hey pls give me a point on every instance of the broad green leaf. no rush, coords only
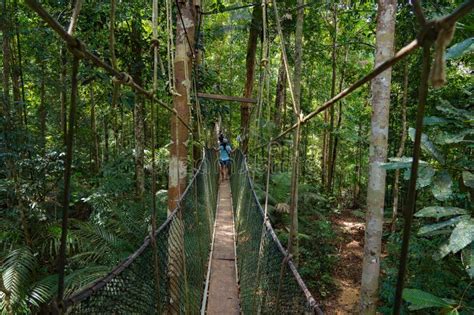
(434, 120)
(442, 186)
(459, 49)
(449, 109)
(399, 163)
(448, 138)
(463, 235)
(443, 252)
(439, 212)
(454, 311)
(419, 299)
(426, 229)
(425, 175)
(427, 145)
(468, 259)
(468, 179)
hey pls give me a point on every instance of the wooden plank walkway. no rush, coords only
(223, 290)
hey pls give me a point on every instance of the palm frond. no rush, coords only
(17, 271)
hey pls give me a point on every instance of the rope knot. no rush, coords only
(443, 38)
(154, 43)
(77, 48)
(441, 35)
(125, 79)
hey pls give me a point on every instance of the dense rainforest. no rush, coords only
(80, 144)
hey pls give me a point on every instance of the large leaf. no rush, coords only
(426, 229)
(427, 145)
(468, 179)
(425, 175)
(419, 299)
(468, 259)
(434, 120)
(439, 212)
(449, 138)
(459, 49)
(399, 163)
(442, 186)
(452, 111)
(462, 235)
(17, 272)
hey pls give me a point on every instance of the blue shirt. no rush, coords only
(225, 152)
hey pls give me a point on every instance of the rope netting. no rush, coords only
(182, 246)
(269, 281)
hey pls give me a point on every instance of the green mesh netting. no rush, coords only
(269, 281)
(181, 256)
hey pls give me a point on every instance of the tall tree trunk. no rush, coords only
(42, 110)
(95, 136)
(293, 241)
(63, 90)
(358, 168)
(338, 127)
(378, 154)
(401, 149)
(280, 96)
(20, 63)
(138, 110)
(4, 24)
(245, 108)
(106, 151)
(330, 137)
(181, 102)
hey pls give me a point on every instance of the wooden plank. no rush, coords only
(227, 98)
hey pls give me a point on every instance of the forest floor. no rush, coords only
(350, 231)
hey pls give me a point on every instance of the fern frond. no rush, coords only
(17, 272)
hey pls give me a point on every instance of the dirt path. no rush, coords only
(223, 291)
(350, 230)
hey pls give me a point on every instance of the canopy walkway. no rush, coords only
(175, 269)
(169, 276)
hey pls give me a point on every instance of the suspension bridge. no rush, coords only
(217, 251)
(215, 254)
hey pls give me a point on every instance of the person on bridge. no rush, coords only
(224, 157)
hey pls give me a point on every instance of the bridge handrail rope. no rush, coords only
(83, 300)
(428, 30)
(240, 181)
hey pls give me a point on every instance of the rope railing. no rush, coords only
(269, 280)
(182, 245)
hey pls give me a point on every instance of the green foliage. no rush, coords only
(459, 49)
(420, 299)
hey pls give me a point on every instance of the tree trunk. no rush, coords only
(138, 110)
(330, 137)
(401, 149)
(293, 241)
(116, 85)
(181, 103)
(378, 154)
(20, 63)
(280, 96)
(63, 90)
(245, 108)
(338, 126)
(42, 111)
(95, 136)
(6, 62)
